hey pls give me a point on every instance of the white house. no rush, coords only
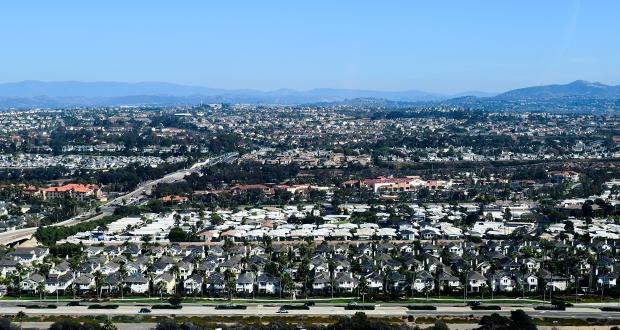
(268, 284)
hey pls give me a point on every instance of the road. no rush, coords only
(120, 326)
(319, 310)
(138, 194)
(134, 197)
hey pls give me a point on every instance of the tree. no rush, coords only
(507, 215)
(362, 287)
(175, 300)
(147, 239)
(359, 321)
(520, 320)
(586, 209)
(72, 324)
(177, 234)
(41, 289)
(176, 271)
(494, 322)
(287, 284)
(5, 324)
(440, 325)
(19, 317)
(109, 325)
(161, 286)
(167, 324)
(216, 219)
(230, 283)
(302, 273)
(123, 275)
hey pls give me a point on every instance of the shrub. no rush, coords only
(166, 307)
(421, 308)
(97, 306)
(550, 308)
(175, 300)
(40, 306)
(295, 307)
(71, 324)
(359, 308)
(485, 308)
(231, 306)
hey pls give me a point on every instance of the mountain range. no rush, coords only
(27, 94)
(578, 88)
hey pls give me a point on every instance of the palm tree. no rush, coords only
(362, 287)
(332, 267)
(303, 272)
(436, 279)
(176, 271)
(411, 276)
(604, 272)
(41, 289)
(483, 289)
(254, 268)
(74, 263)
(427, 291)
(99, 281)
(123, 273)
(231, 282)
(161, 286)
(150, 274)
(20, 274)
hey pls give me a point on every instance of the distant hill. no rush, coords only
(30, 94)
(72, 93)
(33, 88)
(578, 88)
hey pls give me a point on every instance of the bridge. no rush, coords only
(17, 236)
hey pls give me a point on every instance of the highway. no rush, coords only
(138, 195)
(320, 310)
(133, 197)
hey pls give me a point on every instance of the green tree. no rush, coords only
(19, 317)
(108, 325)
(175, 300)
(41, 289)
(230, 283)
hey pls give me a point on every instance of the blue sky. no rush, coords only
(437, 46)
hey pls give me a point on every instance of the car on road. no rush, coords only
(282, 311)
(473, 303)
(309, 303)
(144, 311)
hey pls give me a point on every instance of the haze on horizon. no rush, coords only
(442, 47)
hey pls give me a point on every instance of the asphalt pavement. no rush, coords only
(322, 310)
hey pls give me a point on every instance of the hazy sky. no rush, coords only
(438, 46)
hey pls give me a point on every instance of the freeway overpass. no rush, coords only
(16, 236)
(134, 197)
